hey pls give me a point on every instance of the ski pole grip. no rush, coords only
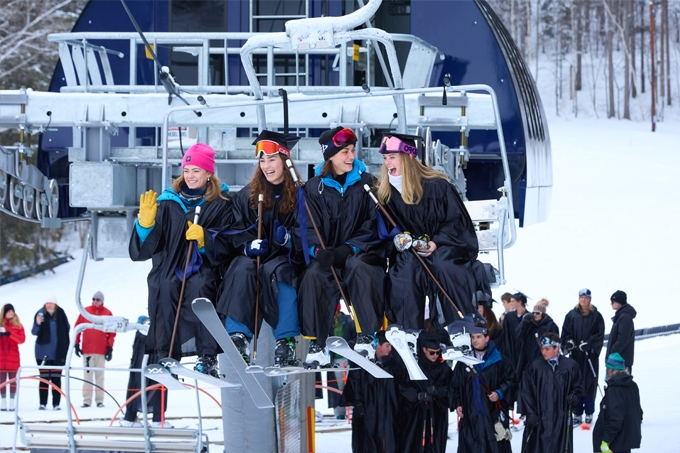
(196, 214)
(291, 169)
(370, 194)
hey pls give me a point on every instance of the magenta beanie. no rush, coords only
(200, 155)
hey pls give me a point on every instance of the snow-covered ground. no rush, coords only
(610, 227)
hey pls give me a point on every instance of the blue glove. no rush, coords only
(258, 247)
(281, 235)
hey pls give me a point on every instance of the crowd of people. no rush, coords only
(398, 248)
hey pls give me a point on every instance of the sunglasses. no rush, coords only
(94, 298)
(396, 145)
(435, 352)
(537, 313)
(341, 139)
(270, 148)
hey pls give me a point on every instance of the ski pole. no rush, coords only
(348, 303)
(566, 443)
(592, 368)
(526, 444)
(181, 291)
(260, 199)
(420, 258)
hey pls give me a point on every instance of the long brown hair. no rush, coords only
(15, 321)
(413, 172)
(212, 192)
(260, 185)
(492, 325)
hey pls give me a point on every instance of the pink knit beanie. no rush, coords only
(200, 155)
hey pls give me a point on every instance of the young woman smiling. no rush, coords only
(278, 274)
(162, 233)
(435, 222)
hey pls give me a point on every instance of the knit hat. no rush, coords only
(615, 362)
(98, 295)
(200, 155)
(381, 337)
(585, 292)
(620, 297)
(270, 142)
(334, 140)
(541, 305)
(520, 297)
(7, 308)
(51, 299)
(399, 143)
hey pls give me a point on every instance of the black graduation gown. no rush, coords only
(544, 392)
(376, 407)
(620, 418)
(527, 332)
(237, 293)
(509, 345)
(476, 430)
(342, 217)
(622, 335)
(432, 416)
(167, 248)
(442, 215)
(589, 328)
(135, 383)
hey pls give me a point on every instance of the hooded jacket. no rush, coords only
(9, 347)
(622, 335)
(620, 418)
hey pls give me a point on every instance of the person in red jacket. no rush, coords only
(96, 348)
(11, 336)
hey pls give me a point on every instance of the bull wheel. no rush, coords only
(4, 189)
(15, 194)
(53, 203)
(29, 201)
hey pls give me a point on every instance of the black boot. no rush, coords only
(284, 354)
(207, 364)
(242, 343)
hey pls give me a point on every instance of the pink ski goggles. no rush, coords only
(392, 144)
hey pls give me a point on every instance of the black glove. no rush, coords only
(79, 353)
(424, 396)
(572, 400)
(6, 334)
(334, 256)
(432, 390)
(584, 346)
(109, 353)
(533, 420)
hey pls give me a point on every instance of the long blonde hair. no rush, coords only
(15, 321)
(212, 192)
(413, 172)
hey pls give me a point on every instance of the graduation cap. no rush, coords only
(399, 143)
(270, 143)
(466, 327)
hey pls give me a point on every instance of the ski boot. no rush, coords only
(589, 419)
(365, 346)
(242, 343)
(317, 357)
(284, 354)
(207, 364)
(577, 420)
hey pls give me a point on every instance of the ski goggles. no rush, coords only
(584, 292)
(270, 148)
(391, 144)
(546, 342)
(341, 139)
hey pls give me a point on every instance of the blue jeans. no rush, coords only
(289, 323)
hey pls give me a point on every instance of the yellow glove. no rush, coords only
(604, 447)
(147, 209)
(195, 233)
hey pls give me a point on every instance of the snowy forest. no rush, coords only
(614, 59)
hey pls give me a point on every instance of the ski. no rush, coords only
(161, 375)
(205, 311)
(397, 339)
(340, 346)
(276, 371)
(175, 367)
(452, 353)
